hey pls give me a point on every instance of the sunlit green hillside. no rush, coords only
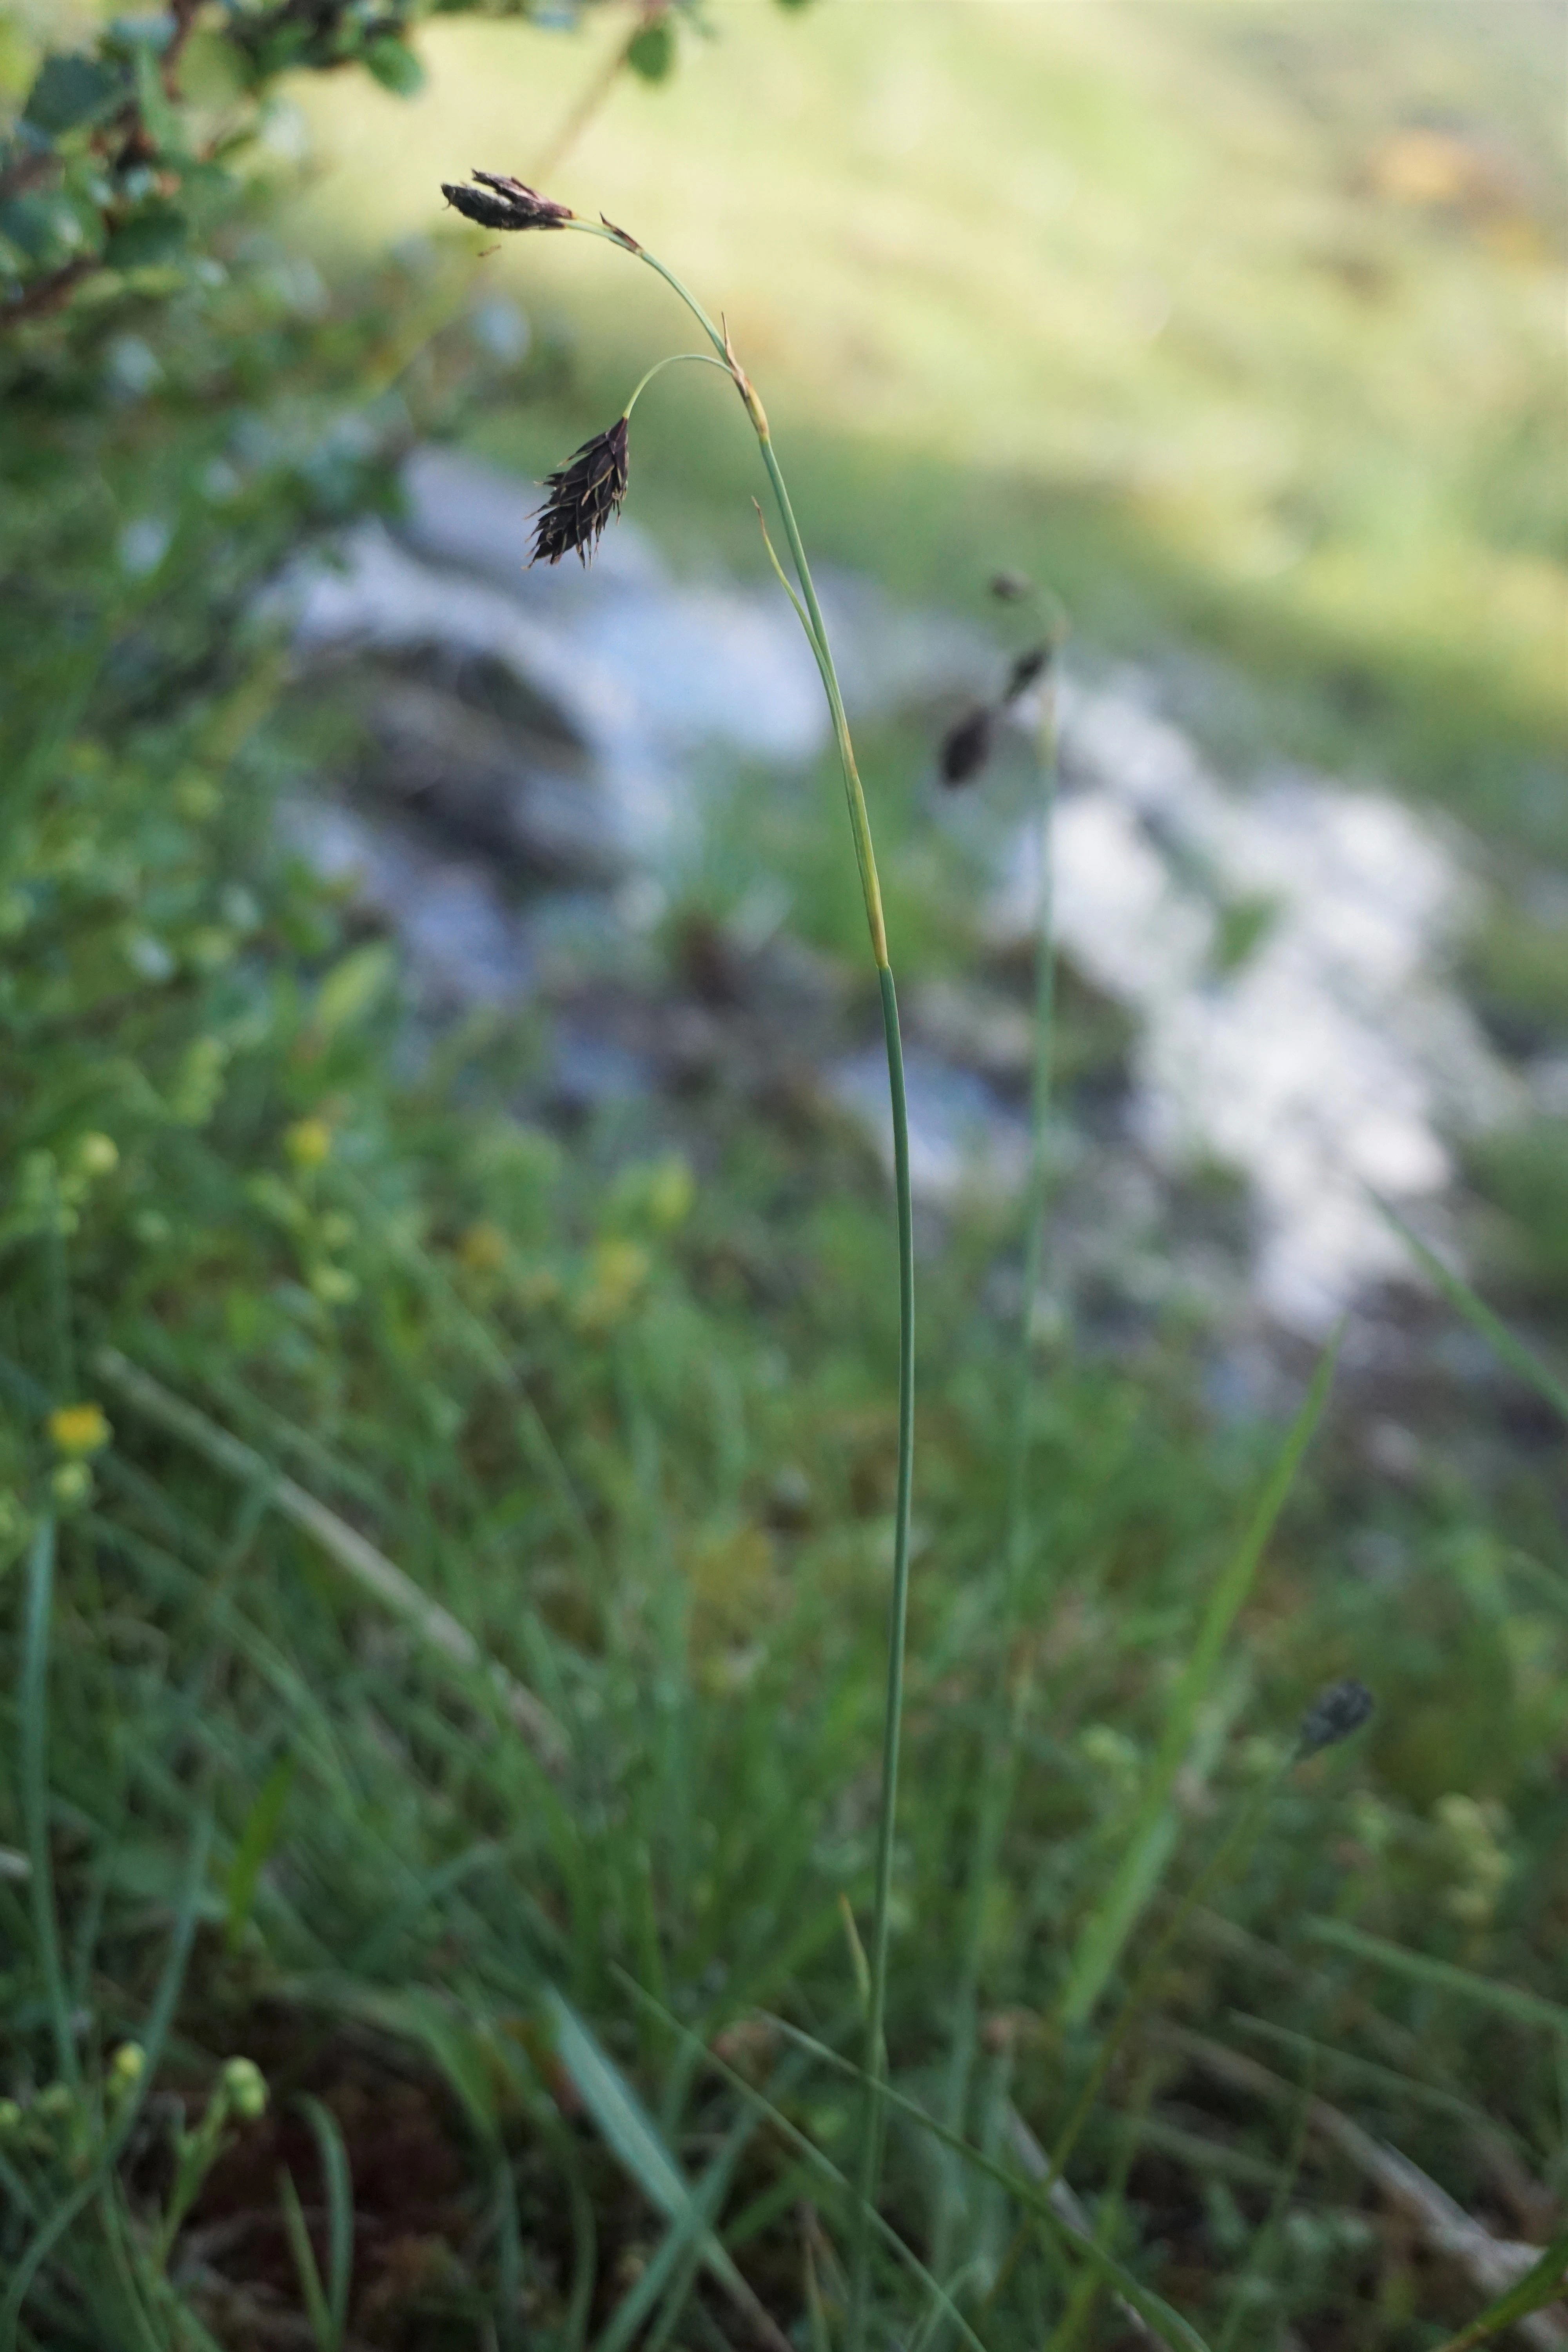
(1243, 318)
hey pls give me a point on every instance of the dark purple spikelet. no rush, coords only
(1025, 669)
(966, 746)
(584, 496)
(1333, 1715)
(500, 202)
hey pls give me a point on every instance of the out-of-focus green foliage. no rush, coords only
(125, 147)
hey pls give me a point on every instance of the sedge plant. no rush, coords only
(585, 495)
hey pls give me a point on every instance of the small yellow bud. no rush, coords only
(128, 2065)
(308, 1142)
(80, 1429)
(247, 2089)
(71, 1484)
(97, 1155)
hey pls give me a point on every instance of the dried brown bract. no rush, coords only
(966, 746)
(500, 202)
(585, 495)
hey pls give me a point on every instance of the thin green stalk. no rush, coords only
(1000, 1754)
(893, 1714)
(815, 628)
(674, 359)
(34, 1787)
(1243, 1828)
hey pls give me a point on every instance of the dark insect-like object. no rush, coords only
(970, 741)
(1026, 670)
(966, 746)
(1333, 1715)
(500, 202)
(585, 495)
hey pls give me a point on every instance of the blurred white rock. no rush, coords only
(1329, 1058)
(646, 671)
(1283, 950)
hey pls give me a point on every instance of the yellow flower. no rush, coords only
(96, 1155)
(308, 1142)
(78, 1429)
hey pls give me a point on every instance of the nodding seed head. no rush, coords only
(1333, 1715)
(1033, 665)
(583, 496)
(966, 746)
(500, 202)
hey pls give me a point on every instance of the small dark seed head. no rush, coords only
(966, 746)
(1026, 670)
(1012, 587)
(499, 202)
(1333, 1715)
(583, 496)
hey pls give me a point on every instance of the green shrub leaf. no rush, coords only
(71, 91)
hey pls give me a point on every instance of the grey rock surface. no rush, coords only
(541, 747)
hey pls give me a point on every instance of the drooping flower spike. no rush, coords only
(967, 746)
(502, 201)
(585, 495)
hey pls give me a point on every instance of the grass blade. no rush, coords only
(34, 1707)
(310, 2288)
(1533, 2291)
(155, 2034)
(1169, 2326)
(681, 2246)
(823, 2166)
(257, 1840)
(1479, 1316)
(1106, 1932)
(630, 2134)
(1507, 2001)
(369, 1567)
(338, 2183)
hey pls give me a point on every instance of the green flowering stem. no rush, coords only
(1002, 1744)
(239, 2096)
(675, 359)
(810, 614)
